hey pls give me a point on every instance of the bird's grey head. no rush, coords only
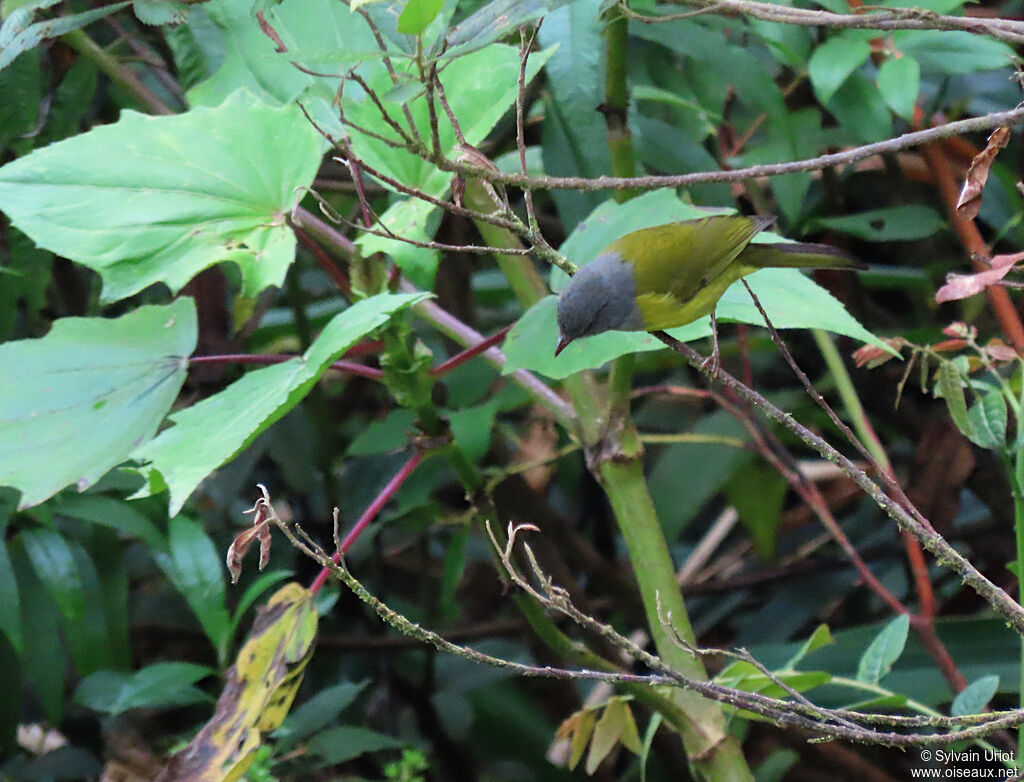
(600, 297)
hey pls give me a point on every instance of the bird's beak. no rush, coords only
(563, 343)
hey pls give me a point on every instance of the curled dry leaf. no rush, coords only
(260, 530)
(969, 203)
(960, 286)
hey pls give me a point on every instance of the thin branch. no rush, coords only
(266, 359)
(525, 47)
(1007, 30)
(846, 157)
(341, 547)
(945, 554)
(461, 358)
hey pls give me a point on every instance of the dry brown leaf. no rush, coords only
(260, 530)
(969, 203)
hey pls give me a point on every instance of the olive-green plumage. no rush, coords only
(671, 275)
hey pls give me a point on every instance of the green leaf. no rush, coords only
(316, 713)
(197, 570)
(20, 32)
(986, 420)
(686, 475)
(410, 218)
(833, 62)
(157, 12)
(573, 134)
(10, 620)
(953, 51)
(314, 30)
(44, 657)
(821, 636)
(55, 566)
(951, 386)
(451, 574)
(159, 199)
(417, 14)
(88, 636)
(859, 108)
(212, 432)
(894, 223)
(22, 88)
(391, 433)
(104, 383)
(791, 299)
(480, 88)
(975, 697)
(114, 514)
(884, 651)
(347, 741)
(156, 686)
(26, 277)
(757, 493)
(252, 593)
(899, 82)
(494, 21)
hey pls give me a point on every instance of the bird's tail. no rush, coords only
(798, 256)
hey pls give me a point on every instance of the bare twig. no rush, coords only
(1007, 30)
(846, 157)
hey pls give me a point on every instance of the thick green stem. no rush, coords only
(615, 456)
(616, 100)
(119, 73)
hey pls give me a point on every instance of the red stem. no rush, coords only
(270, 358)
(461, 358)
(368, 515)
(324, 262)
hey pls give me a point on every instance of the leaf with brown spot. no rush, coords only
(969, 203)
(259, 690)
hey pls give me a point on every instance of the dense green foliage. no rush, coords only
(329, 191)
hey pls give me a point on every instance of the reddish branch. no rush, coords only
(265, 359)
(974, 244)
(368, 515)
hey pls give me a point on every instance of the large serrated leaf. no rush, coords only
(210, 433)
(158, 199)
(101, 385)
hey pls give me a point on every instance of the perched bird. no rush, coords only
(670, 275)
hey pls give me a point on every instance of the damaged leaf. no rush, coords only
(257, 694)
(969, 202)
(260, 529)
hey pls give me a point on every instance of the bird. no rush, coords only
(670, 275)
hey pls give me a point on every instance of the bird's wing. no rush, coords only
(684, 258)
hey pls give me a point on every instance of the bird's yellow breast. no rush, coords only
(666, 311)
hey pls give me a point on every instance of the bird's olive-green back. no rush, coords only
(681, 258)
(682, 268)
